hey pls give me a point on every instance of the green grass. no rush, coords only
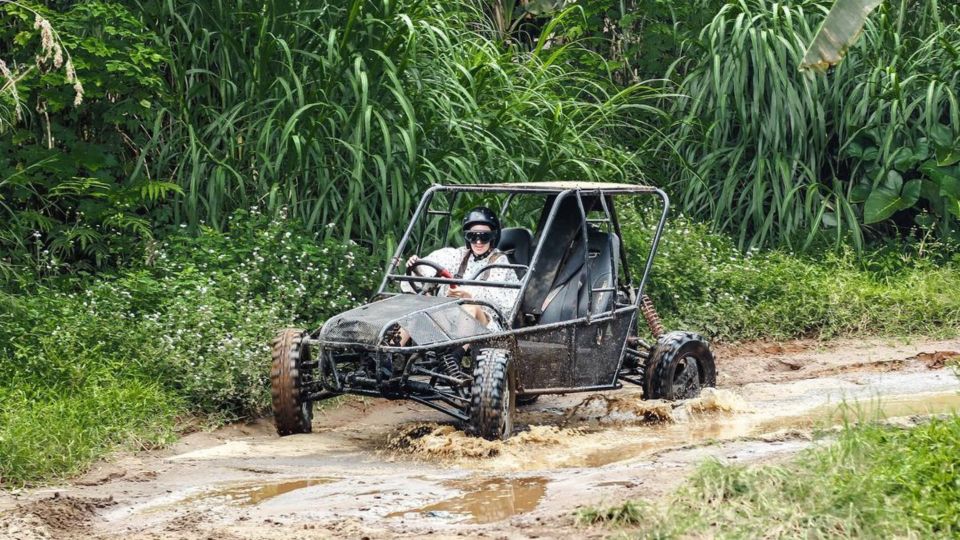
(874, 481)
(630, 513)
(47, 434)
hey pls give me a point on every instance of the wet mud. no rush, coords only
(597, 430)
(382, 469)
(253, 493)
(54, 516)
(485, 501)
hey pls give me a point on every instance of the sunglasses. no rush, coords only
(481, 237)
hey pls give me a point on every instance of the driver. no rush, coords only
(481, 231)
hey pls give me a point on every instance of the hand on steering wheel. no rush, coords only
(425, 288)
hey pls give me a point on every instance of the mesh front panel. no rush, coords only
(444, 323)
(428, 319)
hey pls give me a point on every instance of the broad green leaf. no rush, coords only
(893, 181)
(881, 204)
(947, 179)
(838, 33)
(925, 219)
(859, 193)
(891, 196)
(953, 206)
(929, 168)
(855, 149)
(910, 194)
(941, 135)
(950, 185)
(947, 156)
(904, 159)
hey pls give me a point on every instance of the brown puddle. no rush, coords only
(868, 410)
(491, 500)
(665, 437)
(251, 494)
(697, 430)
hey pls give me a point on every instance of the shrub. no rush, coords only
(71, 193)
(701, 281)
(89, 363)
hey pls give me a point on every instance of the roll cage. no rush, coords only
(556, 194)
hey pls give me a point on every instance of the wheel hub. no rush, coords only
(686, 382)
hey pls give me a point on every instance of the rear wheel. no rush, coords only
(492, 396)
(292, 412)
(680, 366)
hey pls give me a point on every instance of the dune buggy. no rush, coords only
(573, 328)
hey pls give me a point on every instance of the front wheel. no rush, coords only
(492, 396)
(289, 374)
(681, 365)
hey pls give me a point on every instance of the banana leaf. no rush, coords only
(838, 33)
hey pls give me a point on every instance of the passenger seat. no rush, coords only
(568, 297)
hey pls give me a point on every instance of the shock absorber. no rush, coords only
(450, 364)
(650, 314)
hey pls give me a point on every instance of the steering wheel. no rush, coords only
(427, 288)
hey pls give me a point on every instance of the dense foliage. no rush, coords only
(116, 359)
(338, 112)
(71, 183)
(345, 112)
(701, 281)
(776, 156)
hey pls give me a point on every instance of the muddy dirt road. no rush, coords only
(382, 469)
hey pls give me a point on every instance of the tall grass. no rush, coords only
(776, 156)
(344, 112)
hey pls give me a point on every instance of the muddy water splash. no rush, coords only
(430, 440)
(712, 399)
(580, 436)
(601, 429)
(612, 410)
(631, 409)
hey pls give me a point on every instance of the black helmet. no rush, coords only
(485, 216)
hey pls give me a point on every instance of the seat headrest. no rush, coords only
(515, 242)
